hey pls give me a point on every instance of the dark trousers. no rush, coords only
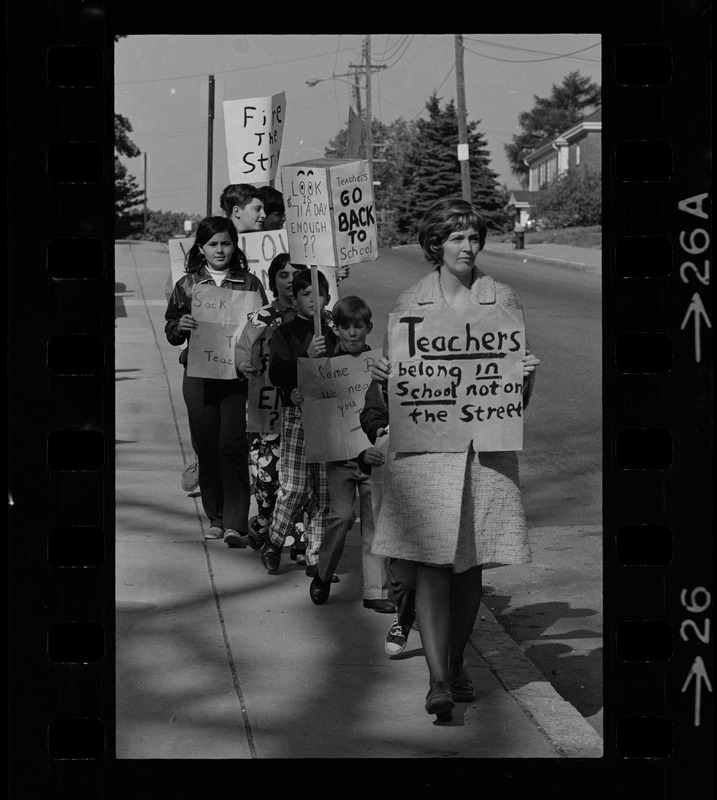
(402, 576)
(217, 420)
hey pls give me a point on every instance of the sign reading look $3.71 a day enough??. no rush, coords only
(330, 214)
(334, 391)
(221, 314)
(456, 378)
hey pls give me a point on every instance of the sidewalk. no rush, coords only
(215, 658)
(560, 255)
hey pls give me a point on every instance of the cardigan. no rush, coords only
(459, 509)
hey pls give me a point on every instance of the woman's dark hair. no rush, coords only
(207, 228)
(277, 264)
(302, 279)
(351, 309)
(238, 194)
(441, 220)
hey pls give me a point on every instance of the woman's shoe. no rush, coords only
(462, 688)
(439, 700)
(214, 533)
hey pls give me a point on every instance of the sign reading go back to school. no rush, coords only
(330, 214)
(334, 390)
(221, 314)
(456, 378)
(253, 131)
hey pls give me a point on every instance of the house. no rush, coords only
(579, 146)
(519, 204)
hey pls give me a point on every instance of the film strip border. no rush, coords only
(658, 545)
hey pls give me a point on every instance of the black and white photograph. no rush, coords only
(358, 396)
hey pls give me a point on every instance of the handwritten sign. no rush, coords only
(178, 249)
(330, 215)
(334, 390)
(221, 314)
(253, 130)
(263, 406)
(259, 247)
(456, 378)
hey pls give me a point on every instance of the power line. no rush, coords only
(521, 49)
(533, 60)
(227, 71)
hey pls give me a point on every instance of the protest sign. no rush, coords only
(259, 247)
(221, 314)
(456, 378)
(330, 216)
(253, 130)
(263, 406)
(178, 249)
(334, 391)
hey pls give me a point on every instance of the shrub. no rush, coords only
(573, 199)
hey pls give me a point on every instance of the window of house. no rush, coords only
(577, 154)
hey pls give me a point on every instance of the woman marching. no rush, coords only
(216, 407)
(448, 514)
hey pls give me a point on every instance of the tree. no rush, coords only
(161, 225)
(415, 163)
(432, 171)
(568, 103)
(573, 199)
(128, 195)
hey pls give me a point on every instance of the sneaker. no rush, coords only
(233, 538)
(397, 638)
(190, 477)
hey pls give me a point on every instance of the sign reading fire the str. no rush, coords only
(253, 131)
(456, 378)
(330, 214)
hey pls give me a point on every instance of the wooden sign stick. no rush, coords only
(315, 298)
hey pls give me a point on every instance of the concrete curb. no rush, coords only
(563, 725)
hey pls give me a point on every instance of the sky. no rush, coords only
(161, 86)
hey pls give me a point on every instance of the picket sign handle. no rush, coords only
(315, 298)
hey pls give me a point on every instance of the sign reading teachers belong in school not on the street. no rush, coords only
(253, 130)
(221, 315)
(456, 378)
(334, 391)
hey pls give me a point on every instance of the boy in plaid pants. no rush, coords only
(299, 481)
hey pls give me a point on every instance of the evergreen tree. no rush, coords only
(432, 170)
(128, 195)
(568, 103)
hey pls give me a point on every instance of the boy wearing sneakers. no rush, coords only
(299, 480)
(402, 574)
(352, 319)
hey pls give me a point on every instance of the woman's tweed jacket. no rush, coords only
(462, 509)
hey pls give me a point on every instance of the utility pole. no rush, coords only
(145, 196)
(369, 133)
(210, 142)
(463, 156)
(357, 91)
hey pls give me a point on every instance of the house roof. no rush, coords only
(520, 196)
(591, 122)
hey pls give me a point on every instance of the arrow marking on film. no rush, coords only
(700, 674)
(698, 310)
